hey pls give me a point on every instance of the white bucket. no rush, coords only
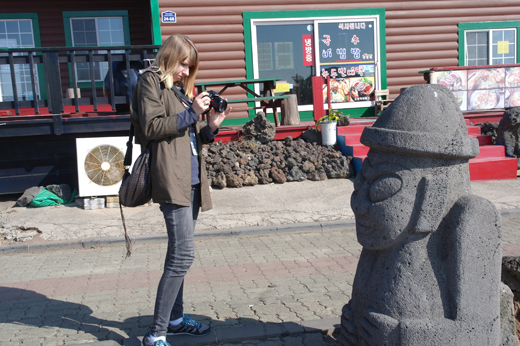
(328, 133)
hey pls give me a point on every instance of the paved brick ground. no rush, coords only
(266, 290)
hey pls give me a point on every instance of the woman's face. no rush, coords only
(183, 70)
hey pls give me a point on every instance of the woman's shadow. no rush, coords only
(29, 308)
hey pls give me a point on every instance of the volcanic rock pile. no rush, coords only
(249, 162)
(489, 129)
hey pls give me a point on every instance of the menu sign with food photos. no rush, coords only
(347, 55)
(482, 88)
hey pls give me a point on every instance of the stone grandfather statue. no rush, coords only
(429, 271)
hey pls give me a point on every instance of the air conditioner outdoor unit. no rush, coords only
(100, 164)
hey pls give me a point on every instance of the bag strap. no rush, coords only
(182, 96)
(129, 145)
(127, 163)
(127, 238)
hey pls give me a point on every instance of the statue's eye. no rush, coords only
(384, 188)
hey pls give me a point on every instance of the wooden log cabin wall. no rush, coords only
(51, 13)
(419, 34)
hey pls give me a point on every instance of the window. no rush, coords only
(283, 52)
(17, 33)
(279, 54)
(89, 32)
(108, 28)
(477, 48)
(289, 45)
(265, 52)
(489, 43)
(492, 47)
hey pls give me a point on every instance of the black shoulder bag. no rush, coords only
(136, 187)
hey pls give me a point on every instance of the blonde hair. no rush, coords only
(176, 49)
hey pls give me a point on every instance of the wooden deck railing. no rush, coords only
(55, 69)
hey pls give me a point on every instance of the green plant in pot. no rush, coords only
(328, 126)
(333, 116)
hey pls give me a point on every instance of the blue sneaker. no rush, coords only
(189, 327)
(148, 342)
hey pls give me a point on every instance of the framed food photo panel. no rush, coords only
(481, 88)
(348, 54)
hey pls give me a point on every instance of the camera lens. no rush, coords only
(217, 103)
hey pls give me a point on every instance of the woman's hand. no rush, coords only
(201, 103)
(215, 118)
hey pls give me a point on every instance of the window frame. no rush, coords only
(68, 15)
(486, 26)
(316, 16)
(33, 16)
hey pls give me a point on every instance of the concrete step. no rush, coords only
(493, 168)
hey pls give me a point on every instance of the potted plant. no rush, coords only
(328, 125)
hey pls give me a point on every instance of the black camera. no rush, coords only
(218, 103)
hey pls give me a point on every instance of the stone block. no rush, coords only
(90, 203)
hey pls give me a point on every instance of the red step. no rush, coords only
(498, 168)
(362, 121)
(227, 135)
(474, 130)
(351, 129)
(483, 139)
(491, 151)
(490, 164)
(355, 150)
(352, 139)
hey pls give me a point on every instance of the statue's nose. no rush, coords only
(360, 201)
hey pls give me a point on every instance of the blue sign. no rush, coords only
(168, 17)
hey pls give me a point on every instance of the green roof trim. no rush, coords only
(156, 23)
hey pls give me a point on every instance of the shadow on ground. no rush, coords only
(21, 307)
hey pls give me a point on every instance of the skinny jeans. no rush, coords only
(180, 225)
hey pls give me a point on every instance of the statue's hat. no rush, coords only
(425, 120)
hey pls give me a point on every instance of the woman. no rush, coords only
(166, 118)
